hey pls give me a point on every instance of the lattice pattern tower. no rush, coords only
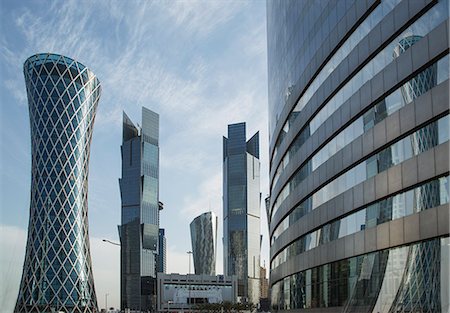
(57, 273)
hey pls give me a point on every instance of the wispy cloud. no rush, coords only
(12, 245)
(200, 64)
(200, 18)
(211, 189)
(105, 259)
(106, 269)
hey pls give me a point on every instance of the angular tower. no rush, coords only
(241, 211)
(204, 243)
(139, 230)
(57, 273)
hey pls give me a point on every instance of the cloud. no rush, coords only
(17, 88)
(200, 64)
(177, 261)
(201, 18)
(105, 264)
(211, 199)
(106, 268)
(12, 247)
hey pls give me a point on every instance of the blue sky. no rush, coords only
(200, 64)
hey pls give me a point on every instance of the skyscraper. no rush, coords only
(204, 243)
(241, 210)
(139, 230)
(57, 273)
(359, 128)
(162, 251)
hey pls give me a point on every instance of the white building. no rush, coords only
(178, 292)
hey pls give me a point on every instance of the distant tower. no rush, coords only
(204, 243)
(162, 251)
(161, 262)
(139, 231)
(57, 273)
(241, 211)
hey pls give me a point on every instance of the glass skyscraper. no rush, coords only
(57, 273)
(204, 243)
(359, 171)
(241, 211)
(162, 251)
(139, 230)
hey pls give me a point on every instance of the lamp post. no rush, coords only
(106, 302)
(189, 280)
(107, 294)
(111, 242)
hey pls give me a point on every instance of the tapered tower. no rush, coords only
(57, 273)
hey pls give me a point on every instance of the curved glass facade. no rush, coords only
(382, 109)
(57, 274)
(359, 131)
(204, 243)
(403, 204)
(382, 281)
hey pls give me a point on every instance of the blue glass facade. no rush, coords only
(139, 230)
(241, 210)
(162, 251)
(358, 155)
(204, 243)
(57, 274)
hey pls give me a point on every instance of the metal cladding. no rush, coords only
(359, 173)
(57, 273)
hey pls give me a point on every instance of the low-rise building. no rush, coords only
(177, 292)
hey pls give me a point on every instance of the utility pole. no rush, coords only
(106, 301)
(189, 280)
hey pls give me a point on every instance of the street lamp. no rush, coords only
(106, 302)
(111, 242)
(189, 281)
(107, 294)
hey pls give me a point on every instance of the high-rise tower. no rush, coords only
(57, 273)
(359, 128)
(139, 231)
(204, 243)
(241, 211)
(162, 262)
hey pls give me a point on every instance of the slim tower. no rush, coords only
(57, 274)
(139, 231)
(204, 243)
(241, 211)
(162, 251)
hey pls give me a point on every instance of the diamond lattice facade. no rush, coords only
(204, 243)
(359, 173)
(57, 274)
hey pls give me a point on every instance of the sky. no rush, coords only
(200, 64)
